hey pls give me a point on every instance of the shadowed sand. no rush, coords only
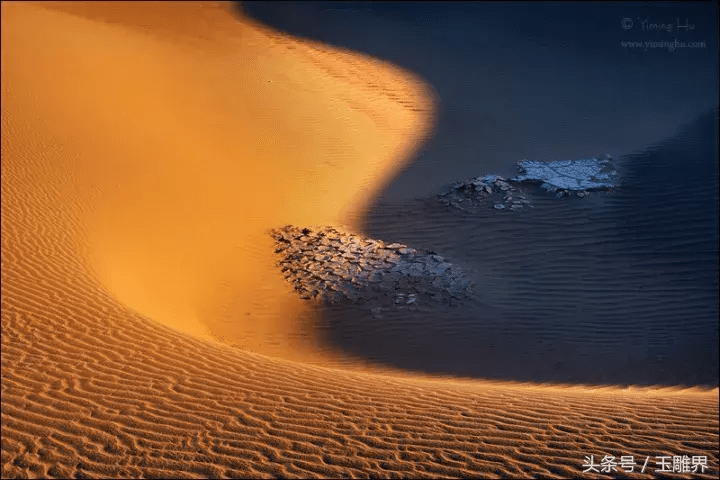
(144, 158)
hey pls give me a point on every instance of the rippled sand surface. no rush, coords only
(147, 149)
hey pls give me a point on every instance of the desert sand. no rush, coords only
(147, 149)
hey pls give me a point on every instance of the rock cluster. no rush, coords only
(563, 177)
(480, 190)
(330, 266)
(568, 176)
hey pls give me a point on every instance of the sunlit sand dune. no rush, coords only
(146, 151)
(184, 154)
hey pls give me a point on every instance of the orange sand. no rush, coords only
(146, 151)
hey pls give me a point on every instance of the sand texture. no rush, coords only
(147, 151)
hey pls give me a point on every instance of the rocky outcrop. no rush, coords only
(564, 177)
(490, 189)
(567, 176)
(330, 266)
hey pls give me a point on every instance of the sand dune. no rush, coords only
(144, 158)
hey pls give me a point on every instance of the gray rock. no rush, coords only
(570, 175)
(412, 269)
(559, 177)
(481, 190)
(352, 268)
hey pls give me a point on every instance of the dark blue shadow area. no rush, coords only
(615, 288)
(671, 206)
(516, 80)
(619, 287)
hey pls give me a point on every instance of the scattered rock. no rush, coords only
(563, 178)
(357, 269)
(596, 173)
(480, 190)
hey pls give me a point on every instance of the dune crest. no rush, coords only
(185, 156)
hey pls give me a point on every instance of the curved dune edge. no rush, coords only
(92, 387)
(187, 141)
